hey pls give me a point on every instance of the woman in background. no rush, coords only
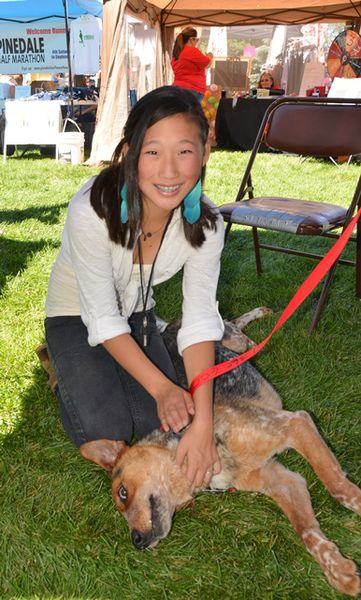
(266, 81)
(189, 63)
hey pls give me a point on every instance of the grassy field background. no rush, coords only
(60, 536)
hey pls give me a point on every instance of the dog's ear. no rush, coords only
(103, 452)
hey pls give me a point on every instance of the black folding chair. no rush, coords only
(318, 127)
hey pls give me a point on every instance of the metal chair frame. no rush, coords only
(312, 138)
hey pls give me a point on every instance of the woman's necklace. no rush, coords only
(150, 234)
(145, 292)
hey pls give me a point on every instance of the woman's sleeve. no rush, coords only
(201, 320)
(200, 59)
(90, 250)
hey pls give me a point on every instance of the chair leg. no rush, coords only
(322, 299)
(257, 250)
(328, 281)
(228, 229)
(358, 261)
(333, 160)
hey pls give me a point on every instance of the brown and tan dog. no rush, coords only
(250, 429)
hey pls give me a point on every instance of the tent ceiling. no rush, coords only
(178, 13)
(26, 10)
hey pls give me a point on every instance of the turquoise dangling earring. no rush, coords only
(123, 205)
(192, 204)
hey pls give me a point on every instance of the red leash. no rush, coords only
(303, 291)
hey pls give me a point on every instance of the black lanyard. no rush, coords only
(145, 294)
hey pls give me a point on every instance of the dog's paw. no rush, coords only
(264, 311)
(234, 338)
(346, 577)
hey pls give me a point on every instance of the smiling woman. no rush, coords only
(170, 163)
(143, 219)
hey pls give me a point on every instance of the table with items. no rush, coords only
(39, 123)
(39, 118)
(238, 121)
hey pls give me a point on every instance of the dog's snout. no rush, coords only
(140, 539)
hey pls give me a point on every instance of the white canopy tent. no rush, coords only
(177, 13)
(164, 16)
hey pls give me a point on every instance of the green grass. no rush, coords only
(60, 536)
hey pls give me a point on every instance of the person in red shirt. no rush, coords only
(189, 63)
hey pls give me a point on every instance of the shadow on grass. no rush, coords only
(31, 152)
(50, 534)
(48, 214)
(14, 256)
(282, 273)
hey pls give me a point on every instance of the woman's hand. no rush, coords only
(174, 404)
(197, 454)
(174, 407)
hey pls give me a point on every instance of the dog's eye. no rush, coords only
(123, 494)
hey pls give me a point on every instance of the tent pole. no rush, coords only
(67, 35)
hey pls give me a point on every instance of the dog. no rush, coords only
(250, 429)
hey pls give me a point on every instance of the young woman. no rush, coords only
(266, 81)
(140, 221)
(189, 63)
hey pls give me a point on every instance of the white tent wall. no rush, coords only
(162, 70)
(114, 103)
(144, 56)
(144, 11)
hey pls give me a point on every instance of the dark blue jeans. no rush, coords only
(97, 397)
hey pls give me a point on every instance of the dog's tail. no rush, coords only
(43, 355)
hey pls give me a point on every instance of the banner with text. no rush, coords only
(38, 47)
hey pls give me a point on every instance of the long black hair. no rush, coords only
(182, 39)
(105, 192)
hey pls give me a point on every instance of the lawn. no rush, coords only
(60, 536)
